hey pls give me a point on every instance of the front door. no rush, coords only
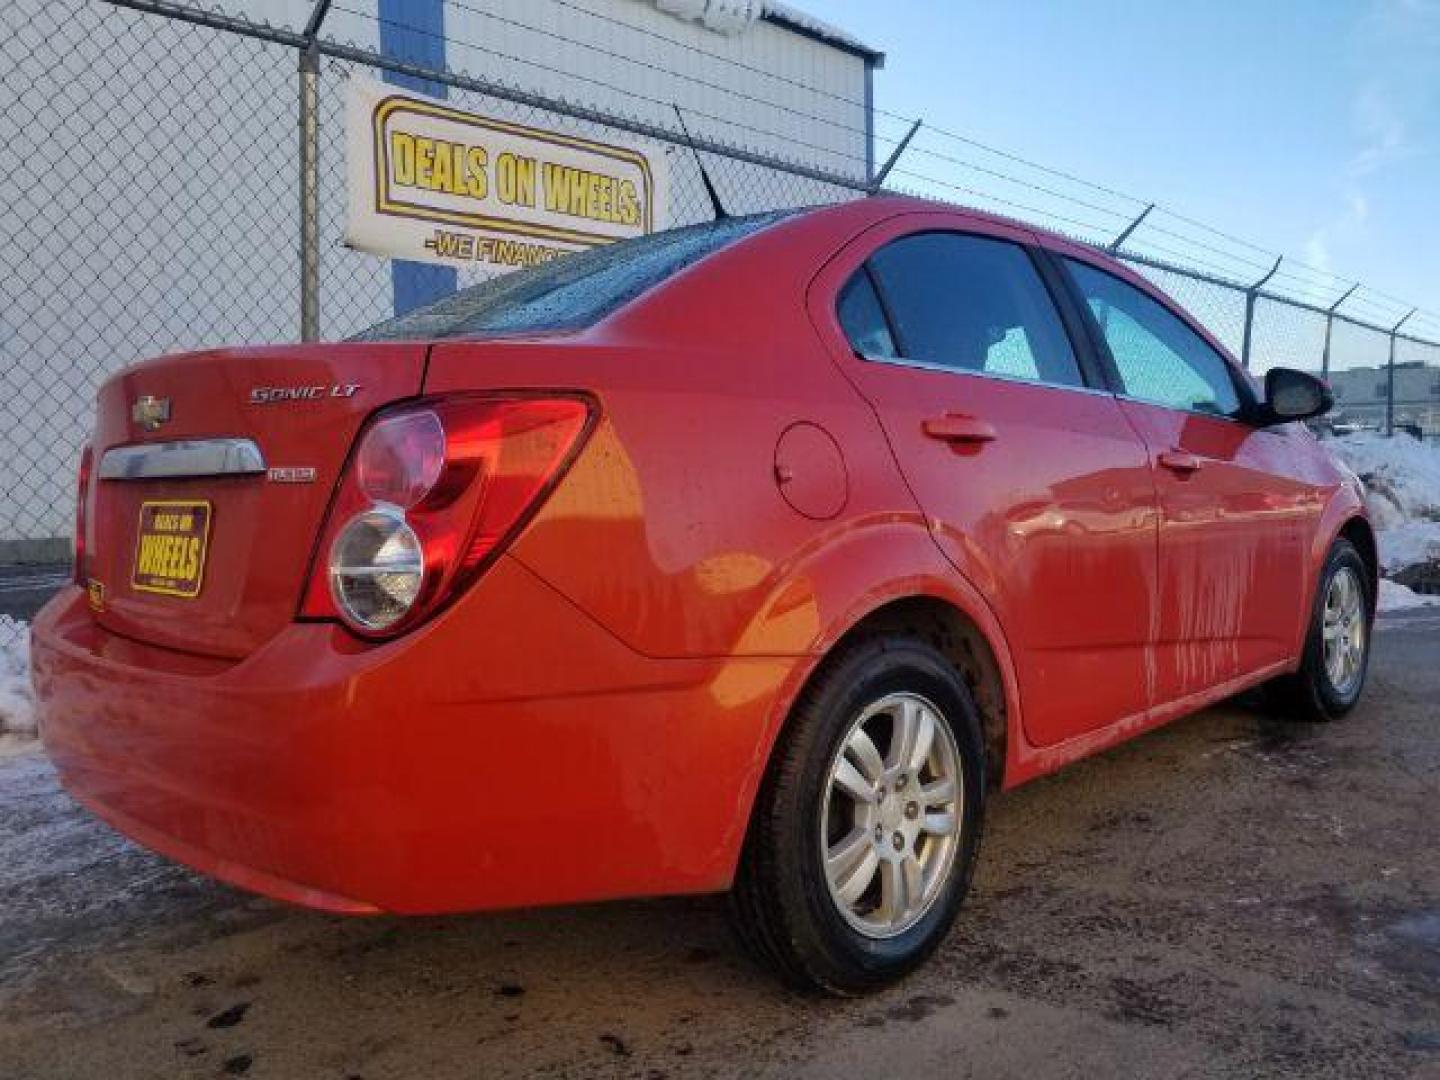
(1035, 485)
(1232, 521)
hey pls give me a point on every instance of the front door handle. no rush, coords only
(957, 428)
(1180, 461)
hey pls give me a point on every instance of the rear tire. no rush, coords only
(843, 892)
(1337, 647)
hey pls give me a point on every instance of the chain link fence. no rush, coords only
(165, 214)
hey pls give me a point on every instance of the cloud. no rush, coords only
(1383, 134)
(1317, 251)
(1397, 43)
(1383, 139)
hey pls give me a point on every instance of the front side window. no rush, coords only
(969, 303)
(1159, 358)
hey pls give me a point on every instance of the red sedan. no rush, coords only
(748, 556)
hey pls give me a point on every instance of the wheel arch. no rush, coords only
(889, 575)
(956, 634)
(1343, 517)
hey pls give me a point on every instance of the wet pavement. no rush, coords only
(1231, 896)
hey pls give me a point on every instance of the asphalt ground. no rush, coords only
(1231, 896)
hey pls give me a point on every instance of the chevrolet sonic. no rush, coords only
(749, 557)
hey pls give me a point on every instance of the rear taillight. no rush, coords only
(433, 492)
(82, 494)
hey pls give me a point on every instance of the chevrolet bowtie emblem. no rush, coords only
(150, 412)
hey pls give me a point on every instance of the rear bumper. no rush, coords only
(481, 762)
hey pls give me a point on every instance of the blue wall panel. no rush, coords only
(414, 30)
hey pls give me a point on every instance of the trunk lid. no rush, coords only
(213, 560)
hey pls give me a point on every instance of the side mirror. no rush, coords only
(1293, 395)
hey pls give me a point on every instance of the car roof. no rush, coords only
(875, 208)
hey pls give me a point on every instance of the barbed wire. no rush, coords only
(751, 129)
(708, 55)
(976, 193)
(1305, 279)
(922, 151)
(656, 69)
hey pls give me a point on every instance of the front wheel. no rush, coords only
(1337, 647)
(865, 830)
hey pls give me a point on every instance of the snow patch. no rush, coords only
(819, 27)
(722, 16)
(731, 17)
(17, 699)
(1396, 597)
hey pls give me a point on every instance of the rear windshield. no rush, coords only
(570, 292)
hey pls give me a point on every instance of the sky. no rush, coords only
(1311, 129)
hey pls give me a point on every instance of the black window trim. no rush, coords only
(886, 311)
(1082, 346)
(1101, 348)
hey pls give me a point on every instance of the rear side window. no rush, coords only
(864, 319)
(975, 304)
(1159, 358)
(571, 292)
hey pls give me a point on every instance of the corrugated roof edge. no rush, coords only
(792, 18)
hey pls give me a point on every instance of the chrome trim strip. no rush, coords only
(923, 365)
(997, 376)
(182, 458)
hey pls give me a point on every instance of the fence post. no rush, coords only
(309, 70)
(1390, 375)
(878, 180)
(1250, 294)
(1329, 326)
(1119, 241)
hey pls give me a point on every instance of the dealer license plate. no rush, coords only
(170, 551)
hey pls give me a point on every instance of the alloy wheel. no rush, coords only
(890, 815)
(1344, 632)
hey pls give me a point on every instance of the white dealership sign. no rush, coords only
(432, 183)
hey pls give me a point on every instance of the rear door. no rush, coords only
(1232, 517)
(1035, 485)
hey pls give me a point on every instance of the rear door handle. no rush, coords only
(957, 428)
(1180, 461)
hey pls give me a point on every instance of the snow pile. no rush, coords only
(1401, 475)
(1396, 597)
(17, 700)
(1402, 492)
(1411, 544)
